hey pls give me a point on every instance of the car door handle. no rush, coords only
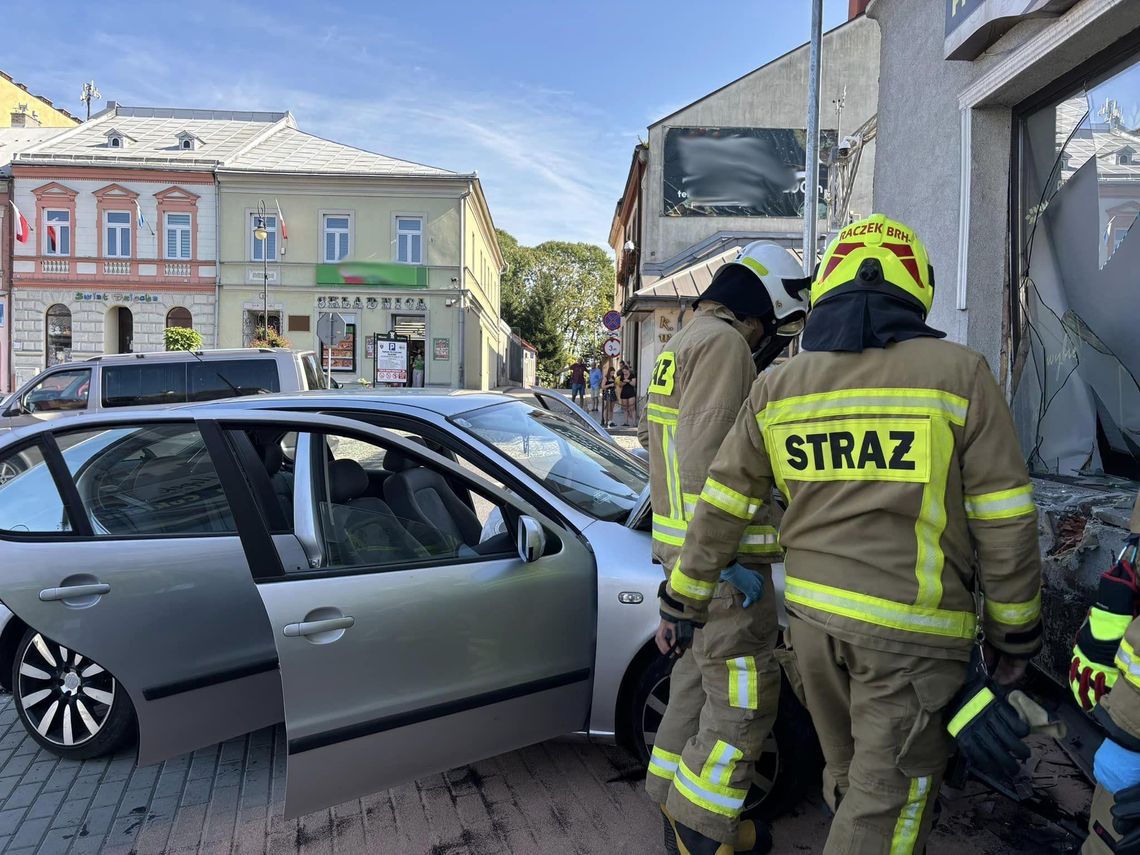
(313, 627)
(73, 592)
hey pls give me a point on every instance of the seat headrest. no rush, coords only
(396, 461)
(347, 481)
(273, 457)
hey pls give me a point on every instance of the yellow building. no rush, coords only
(15, 98)
(390, 246)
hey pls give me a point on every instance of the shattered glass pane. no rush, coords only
(1114, 113)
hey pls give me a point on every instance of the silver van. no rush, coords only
(104, 383)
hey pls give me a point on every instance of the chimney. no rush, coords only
(855, 8)
(21, 118)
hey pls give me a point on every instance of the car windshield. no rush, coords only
(574, 464)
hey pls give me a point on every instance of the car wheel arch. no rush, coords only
(10, 638)
(625, 732)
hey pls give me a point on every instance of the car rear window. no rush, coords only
(314, 379)
(232, 378)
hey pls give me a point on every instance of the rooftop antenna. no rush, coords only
(90, 93)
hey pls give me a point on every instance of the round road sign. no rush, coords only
(613, 347)
(611, 320)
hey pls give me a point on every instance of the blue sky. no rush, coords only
(545, 100)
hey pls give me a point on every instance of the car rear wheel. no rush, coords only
(789, 761)
(67, 702)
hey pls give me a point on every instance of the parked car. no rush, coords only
(411, 581)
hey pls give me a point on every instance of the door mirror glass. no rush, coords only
(58, 392)
(532, 539)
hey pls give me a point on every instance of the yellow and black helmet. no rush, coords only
(873, 254)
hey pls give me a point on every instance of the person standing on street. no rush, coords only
(907, 495)
(595, 387)
(609, 397)
(1105, 679)
(578, 383)
(627, 391)
(724, 691)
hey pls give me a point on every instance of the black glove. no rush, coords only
(1126, 820)
(671, 611)
(988, 730)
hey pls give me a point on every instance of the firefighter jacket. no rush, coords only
(1119, 711)
(698, 385)
(903, 474)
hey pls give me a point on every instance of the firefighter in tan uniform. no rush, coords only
(1105, 678)
(723, 692)
(906, 493)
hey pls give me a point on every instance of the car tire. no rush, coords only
(789, 764)
(68, 703)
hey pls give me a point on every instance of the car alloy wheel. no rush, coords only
(767, 766)
(8, 471)
(66, 697)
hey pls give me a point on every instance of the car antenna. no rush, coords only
(218, 374)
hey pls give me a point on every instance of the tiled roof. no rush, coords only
(153, 137)
(290, 150)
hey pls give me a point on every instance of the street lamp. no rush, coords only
(262, 234)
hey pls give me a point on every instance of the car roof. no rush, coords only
(184, 355)
(444, 402)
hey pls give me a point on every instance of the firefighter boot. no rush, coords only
(682, 840)
(753, 838)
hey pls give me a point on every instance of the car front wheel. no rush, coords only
(68, 703)
(789, 761)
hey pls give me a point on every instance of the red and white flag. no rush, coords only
(281, 223)
(19, 224)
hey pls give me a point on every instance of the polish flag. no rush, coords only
(51, 238)
(281, 221)
(19, 224)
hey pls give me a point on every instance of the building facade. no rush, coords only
(388, 246)
(729, 169)
(123, 216)
(17, 102)
(1028, 207)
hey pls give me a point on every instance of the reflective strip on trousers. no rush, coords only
(687, 586)
(878, 611)
(1021, 613)
(663, 763)
(1001, 505)
(909, 822)
(668, 530)
(705, 794)
(729, 500)
(931, 522)
(722, 760)
(918, 402)
(1128, 664)
(742, 687)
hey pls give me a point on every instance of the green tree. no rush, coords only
(556, 294)
(182, 338)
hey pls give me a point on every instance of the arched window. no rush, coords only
(58, 335)
(180, 317)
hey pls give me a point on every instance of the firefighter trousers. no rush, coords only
(880, 725)
(1102, 836)
(723, 695)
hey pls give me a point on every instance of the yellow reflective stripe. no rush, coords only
(672, 471)
(687, 586)
(875, 610)
(760, 540)
(669, 530)
(919, 402)
(722, 761)
(690, 501)
(1018, 613)
(663, 763)
(753, 265)
(1002, 505)
(742, 688)
(931, 522)
(1105, 626)
(663, 411)
(726, 801)
(729, 500)
(970, 711)
(910, 817)
(1128, 664)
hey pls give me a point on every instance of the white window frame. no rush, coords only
(167, 228)
(59, 226)
(120, 228)
(270, 241)
(351, 237)
(398, 233)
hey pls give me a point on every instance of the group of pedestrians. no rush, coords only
(606, 390)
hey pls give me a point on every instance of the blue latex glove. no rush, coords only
(748, 582)
(1115, 767)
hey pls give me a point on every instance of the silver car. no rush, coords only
(411, 582)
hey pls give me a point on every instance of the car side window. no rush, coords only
(383, 507)
(29, 500)
(58, 392)
(153, 480)
(144, 384)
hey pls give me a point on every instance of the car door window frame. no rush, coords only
(72, 504)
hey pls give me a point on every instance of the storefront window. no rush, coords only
(1075, 368)
(58, 335)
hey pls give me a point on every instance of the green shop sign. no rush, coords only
(373, 273)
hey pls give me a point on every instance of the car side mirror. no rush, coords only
(531, 539)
